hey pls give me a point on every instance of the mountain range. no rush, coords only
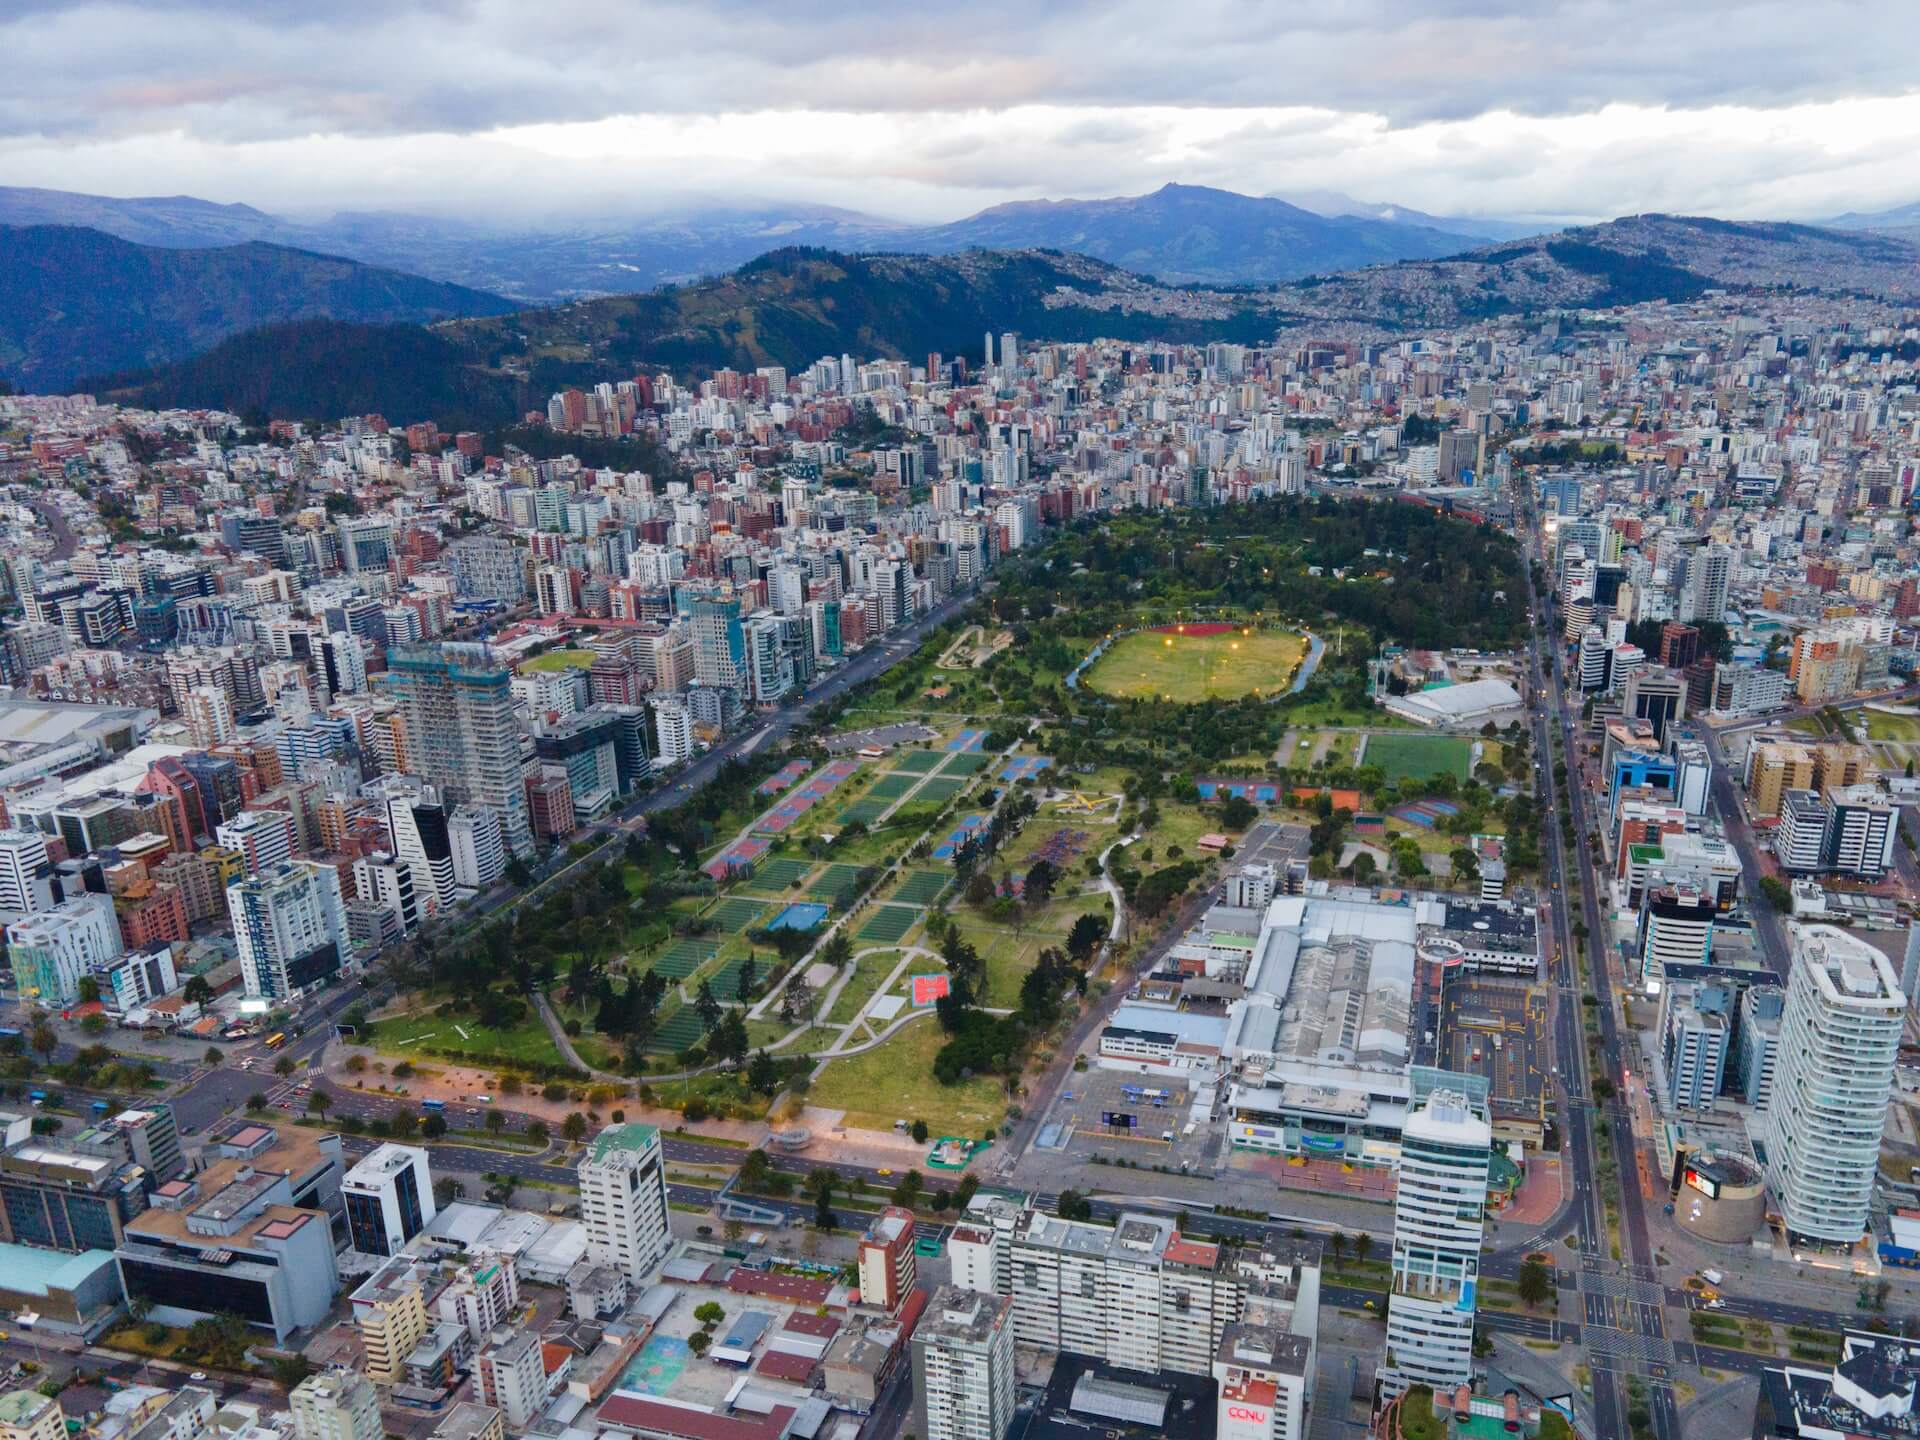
(1179, 233)
(75, 301)
(794, 305)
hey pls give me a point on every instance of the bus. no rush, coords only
(100, 1107)
(433, 1104)
(276, 1040)
(38, 1097)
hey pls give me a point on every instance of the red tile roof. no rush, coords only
(778, 1365)
(798, 1289)
(822, 1326)
(633, 1412)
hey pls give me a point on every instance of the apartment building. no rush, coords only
(963, 1376)
(623, 1200)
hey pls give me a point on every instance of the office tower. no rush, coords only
(53, 950)
(719, 641)
(623, 1200)
(29, 1415)
(422, 841)
(479, 852)
(963, 1367)
(1439, 1222)
(1839, 1035)
(389, 1197)
(1694, 1031)
(1709, 573)
(338, 1405)
(290, 926)
(1679, 645)
(26, 874)
(1656, 696)
(1676, 928)
(384, 884)
(769, 665)
(366, 543)
(887, 1259)
(461, 735)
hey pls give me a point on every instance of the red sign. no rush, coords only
(1241, 1412)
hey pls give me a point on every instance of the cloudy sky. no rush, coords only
(550, 108)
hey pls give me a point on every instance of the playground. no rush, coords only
(1188, 664)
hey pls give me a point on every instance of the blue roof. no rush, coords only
(27, 1271)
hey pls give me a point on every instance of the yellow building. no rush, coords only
(1774, 767)
(29, 1415)
(392, 1317)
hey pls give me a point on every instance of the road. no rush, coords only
(1632, 1335)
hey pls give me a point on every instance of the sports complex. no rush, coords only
(1190, 663)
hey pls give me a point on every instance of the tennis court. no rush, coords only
(892, 787)
(834, 884)
(801, 915)
(943, 788)
(889, 923)
(866, 811)
(1025, 767)
(685, 955)
(967, 740)
(970, 763)
(921, 887)
(736, 913)
(776, 875)
(683, 1028)
(919, 762)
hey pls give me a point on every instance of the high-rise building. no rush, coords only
(390, 1312)
(26, 874)
(389, 1198)
(267, 839)
(1676, 928)
(461, 734)
(290, 926)
(337, 1405)
(1695, 1027)
(54, 950)
(479, 853)
(1839, 1036)
(887, 1259)
(1439, 1223)
(623, 1200)
(963, 1375)
(1757, 1053)
(511, 1376)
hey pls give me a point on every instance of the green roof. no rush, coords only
(623, 1137)
(17, 1407)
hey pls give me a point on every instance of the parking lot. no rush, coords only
(1273, 842)
(1142, 1119)
(1497, 1027)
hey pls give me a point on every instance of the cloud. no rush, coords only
(1579, 107)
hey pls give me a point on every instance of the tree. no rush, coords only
(197, 991)
(763, 1075)
(699, 1341)
(434, 1126)
(749, 980)
(319, 1102)
(1535, 1283)
(1778, 894)
(1362, 1245)
(1089, 932)
(907, 1192)
(1337, 1243)
(1602, 1088)
(257, 1102)
(495, 1121)
(1072, 1205)
(213, 1057)
(285, 1066)
(709, 1314)
(89, 990)
(707, 1006)
(919, 1132)
(574, 1127)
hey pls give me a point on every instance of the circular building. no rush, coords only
(1722, 1198)
(793, 1140)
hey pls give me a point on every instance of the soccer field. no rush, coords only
(1415, 757)
(1191, 668)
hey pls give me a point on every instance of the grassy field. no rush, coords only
(1192, 668)
(558, 660)
(1884, 726)
(406, 1035)
(898, 1077)
(869, 971)
(1415, 757)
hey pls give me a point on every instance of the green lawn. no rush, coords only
(1415, 757)
(558, 660)
(868, 972)
(413, 1036)
(897, 1078)
(1189, 669)
(1884, 726)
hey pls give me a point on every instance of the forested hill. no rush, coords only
(1411, 575)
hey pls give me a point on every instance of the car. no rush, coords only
(198, 1375)
(883, 1171)
(484, 1099)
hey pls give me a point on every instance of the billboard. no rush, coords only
(1705, 1184)
(1117, 1120)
